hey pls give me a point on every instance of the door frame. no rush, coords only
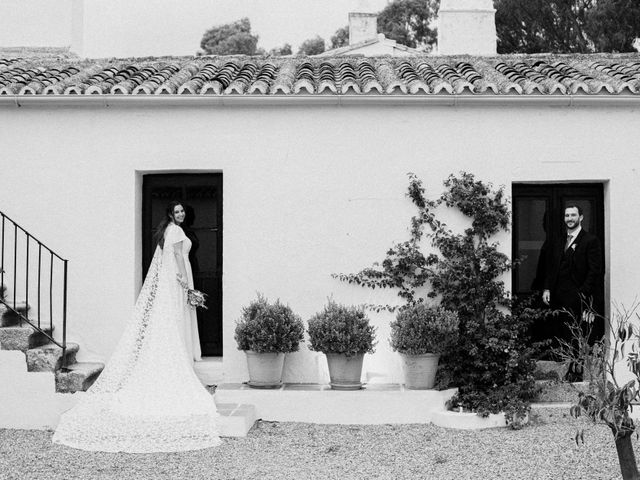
(604, 222)
(141, 229)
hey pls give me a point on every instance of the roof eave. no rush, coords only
(107, 101)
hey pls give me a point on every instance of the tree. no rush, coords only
(283, 50)
(613, 25)
(536, 26)
(611, 394)
(408, 22)
(229, 39)
(312, 46)
(567, 26)
(340, 38)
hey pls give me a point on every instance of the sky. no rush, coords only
(293, 21)
(48, 22)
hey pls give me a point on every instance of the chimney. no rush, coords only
(467, 27)
(363, 24)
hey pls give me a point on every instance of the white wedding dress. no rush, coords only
(189, 324)
(148, 398)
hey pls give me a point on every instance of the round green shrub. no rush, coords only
(420, 329)
(341, 329)
(269, 328)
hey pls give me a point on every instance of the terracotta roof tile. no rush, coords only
(179, 79)
(151, 84)
(368, 79)
(283, 83)
(597, 74)
(264, 79)
(620, 77)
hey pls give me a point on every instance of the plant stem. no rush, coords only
(626, 457)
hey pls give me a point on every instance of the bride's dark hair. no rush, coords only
(158, 236)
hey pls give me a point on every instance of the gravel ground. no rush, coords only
(545, 449)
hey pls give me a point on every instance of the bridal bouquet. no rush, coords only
(195, 298)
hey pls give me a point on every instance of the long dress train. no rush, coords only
(148, 398)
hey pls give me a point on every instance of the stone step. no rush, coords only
(77, 377)
(8, 317)
(236, 419)
(22, 338)
(559, 391)
(48, 357)
(209, 370)
(550, 370)
(317, 403)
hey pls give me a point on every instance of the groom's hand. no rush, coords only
(546, 297)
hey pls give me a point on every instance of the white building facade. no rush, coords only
(313, 185)
(310, 183)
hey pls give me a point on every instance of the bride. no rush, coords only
(148, 398)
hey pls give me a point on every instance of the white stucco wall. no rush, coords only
(308, 191)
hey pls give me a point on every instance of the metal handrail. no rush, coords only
(22, 237)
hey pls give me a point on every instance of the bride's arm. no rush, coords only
(177, 253)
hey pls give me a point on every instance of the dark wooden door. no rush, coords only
(202, 197)
(538, 220)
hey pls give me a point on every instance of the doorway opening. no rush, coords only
(538, 220)
(202, 197)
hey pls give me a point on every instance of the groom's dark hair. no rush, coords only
(573, 205)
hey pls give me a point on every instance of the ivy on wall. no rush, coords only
(465, 272)
(492, 363)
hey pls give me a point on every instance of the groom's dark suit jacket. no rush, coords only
(574, 272)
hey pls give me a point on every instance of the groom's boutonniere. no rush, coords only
(573, 246)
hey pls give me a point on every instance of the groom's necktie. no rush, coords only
(568, 244)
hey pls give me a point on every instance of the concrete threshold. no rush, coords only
(314, 403)
(209, 370)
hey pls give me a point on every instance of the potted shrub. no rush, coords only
(420, 333)
(344, 335)
(266, 332)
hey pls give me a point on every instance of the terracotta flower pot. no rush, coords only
(345, 372)
(420, 370)
(265, 369)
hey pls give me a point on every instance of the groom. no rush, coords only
(574, 276)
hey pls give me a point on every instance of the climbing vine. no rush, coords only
(465, 273)
(492, 362)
